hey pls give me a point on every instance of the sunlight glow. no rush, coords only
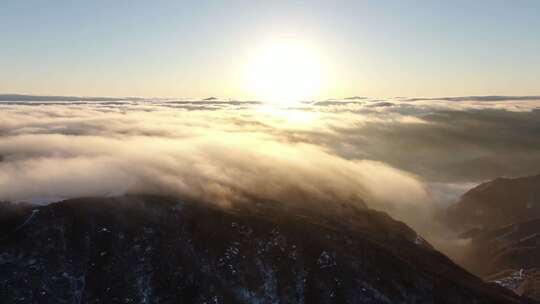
(281, 118)
(285, 73)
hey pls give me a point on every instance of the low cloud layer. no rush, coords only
(404, 156)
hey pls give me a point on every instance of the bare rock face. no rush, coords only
(148, 249)
(499, 202)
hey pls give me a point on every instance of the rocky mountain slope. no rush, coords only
(508, 255)
(502, 201)
(150, 249)
(505, 240)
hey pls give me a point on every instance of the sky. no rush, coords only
(203, 48)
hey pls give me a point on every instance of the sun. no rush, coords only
(285, 73)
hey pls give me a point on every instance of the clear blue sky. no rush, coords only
(199, 48)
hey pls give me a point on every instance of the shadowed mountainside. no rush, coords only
(503, 221)
(148, 249)
(502, 201)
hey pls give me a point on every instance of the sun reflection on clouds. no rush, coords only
(282, 117)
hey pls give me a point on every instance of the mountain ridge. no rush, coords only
(141, 248)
